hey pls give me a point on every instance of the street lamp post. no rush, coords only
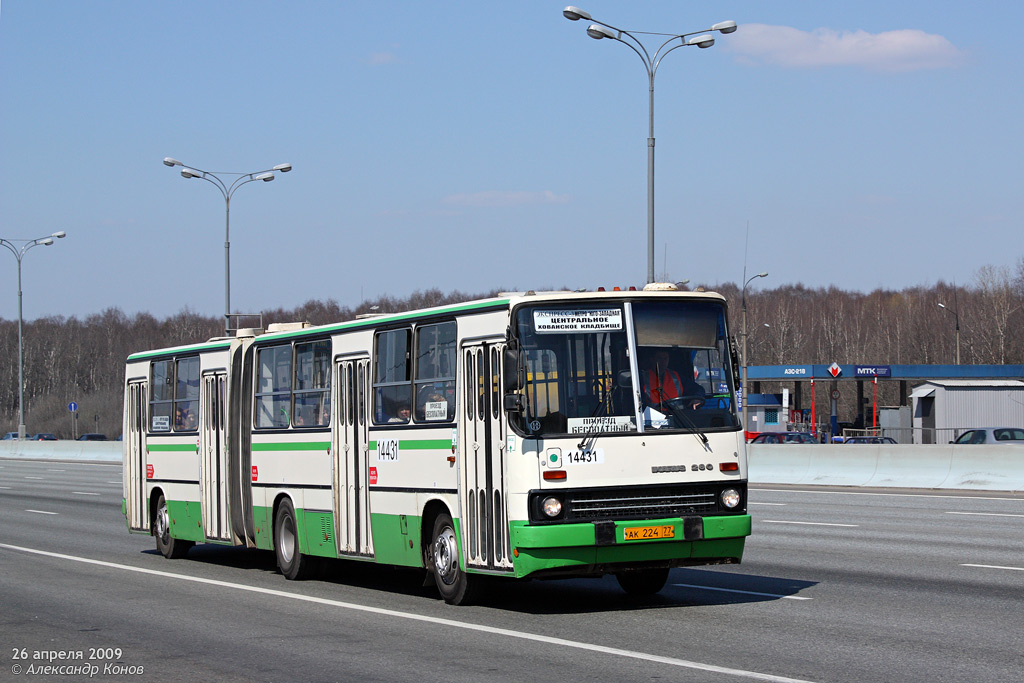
(701, 39)
(956, 313)
(743, 302)
(227, 190)
(19, 254)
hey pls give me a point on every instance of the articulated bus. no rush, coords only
(507, 437)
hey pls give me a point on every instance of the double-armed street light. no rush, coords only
(227, 190)
(19, 251)
(743, 303)
(701, 39)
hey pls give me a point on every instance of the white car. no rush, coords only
(992, 435)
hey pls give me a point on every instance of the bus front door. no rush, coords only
(351, 457)
(482, 488)
(135, 456)
(213, 456)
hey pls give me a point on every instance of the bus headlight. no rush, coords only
(730, 498)
(551, 506)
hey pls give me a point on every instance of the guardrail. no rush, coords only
(994, 467)
(62, 450)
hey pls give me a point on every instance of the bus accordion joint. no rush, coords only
(555, 475)
(729, 467)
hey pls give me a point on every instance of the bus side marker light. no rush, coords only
(729, 466)
(555, 475)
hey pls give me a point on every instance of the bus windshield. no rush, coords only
(625, 367)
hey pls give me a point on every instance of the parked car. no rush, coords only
(991, 435)
(93, 437)
(42, 436)
(784, 437)
(870, 439)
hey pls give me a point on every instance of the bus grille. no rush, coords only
(642, 502)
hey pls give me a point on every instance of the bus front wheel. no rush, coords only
(642, 582)
(452, 583)
(171, 548)
(290, 560)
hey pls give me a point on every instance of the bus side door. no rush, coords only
(135, 481)
(351, 458)
(482, 488)
(213, 456)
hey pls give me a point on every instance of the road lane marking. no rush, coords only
(984, 514)
(780, 521)
(733, 590)
(6, 488)
(84, 493)
(755, 503)
(33, 477)
(544, 639)
(41, 512)
(993, 566)
(896, 495)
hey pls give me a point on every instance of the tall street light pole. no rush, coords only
(19, 251)
(956, 313)
(599, 30)
(746, 392)
(227, 190)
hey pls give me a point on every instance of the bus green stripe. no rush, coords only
(419, 444)
(179, 350)
(169, 447)
(293, 446)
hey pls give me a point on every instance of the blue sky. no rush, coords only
(480, 145)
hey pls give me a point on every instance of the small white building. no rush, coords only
(942, 409)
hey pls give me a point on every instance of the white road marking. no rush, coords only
(993, 566)
(733, 590)
(84, 493)
(755, 503)
(56, 470)
(41, 512)
(895, 495)
(984, 514)
(437, 621)
(33, 477)
(780, 521)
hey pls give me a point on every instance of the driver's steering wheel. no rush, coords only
(688, 401)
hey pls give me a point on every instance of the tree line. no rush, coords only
(82, 360)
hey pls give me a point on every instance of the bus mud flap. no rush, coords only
(693, 528)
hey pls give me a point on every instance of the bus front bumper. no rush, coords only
(597, 548)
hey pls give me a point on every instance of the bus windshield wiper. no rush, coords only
(679, 406)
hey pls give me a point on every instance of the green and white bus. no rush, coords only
(508, 437)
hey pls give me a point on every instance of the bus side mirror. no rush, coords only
(624, 380)
(513, 403)
(512, 373)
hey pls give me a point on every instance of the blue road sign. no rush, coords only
(72, 407)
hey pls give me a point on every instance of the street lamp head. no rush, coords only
(60, 234)
(701, 41)
(168, 161)
(283, 168)
(725, 26)
(598, 32)
(46, 242)
(575, 14)
(942, 305)
(764, 274)
(190, 173)
(265, 177)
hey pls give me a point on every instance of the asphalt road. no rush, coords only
(836, 585)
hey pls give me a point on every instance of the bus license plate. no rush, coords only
(643, 533)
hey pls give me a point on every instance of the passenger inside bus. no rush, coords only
(402, 414)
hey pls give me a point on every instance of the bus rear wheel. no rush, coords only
(293, 564)
(642, 582)
(171, 548)
(453, 584)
